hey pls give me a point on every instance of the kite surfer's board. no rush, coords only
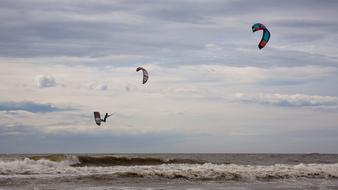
(97, 118)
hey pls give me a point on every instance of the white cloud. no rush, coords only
(45, 81)
(293, 100)
(203, 51)
(185, 100)
(98, 86)
(101, 87)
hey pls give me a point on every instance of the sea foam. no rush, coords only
(206, 171)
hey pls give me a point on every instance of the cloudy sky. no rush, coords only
(210, 88)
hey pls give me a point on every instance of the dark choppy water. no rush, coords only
(169, 171)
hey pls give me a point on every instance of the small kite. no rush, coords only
(266, 34)
(145, 74)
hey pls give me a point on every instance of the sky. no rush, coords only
(210, 89)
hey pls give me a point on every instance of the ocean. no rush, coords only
(169, 171)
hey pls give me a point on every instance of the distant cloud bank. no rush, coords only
(294, 100)
(27, 106)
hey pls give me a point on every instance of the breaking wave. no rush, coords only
(129, 161)
(206, 171)
(81, 161)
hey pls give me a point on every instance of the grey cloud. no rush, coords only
(285, 100)
(99, 143)
(167, 33)
(170, 32)
(288, 57)
(45, 81)
(322, 133)
(16, 130)
(296, 38)
(173, 142)
(28, 106)
(307, 24)
(197, 11)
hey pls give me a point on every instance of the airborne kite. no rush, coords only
(98, 119)
(266, 34)
(145, 74)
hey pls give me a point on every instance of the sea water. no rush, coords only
(169, 171)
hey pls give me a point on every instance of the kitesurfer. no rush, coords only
(98, 119)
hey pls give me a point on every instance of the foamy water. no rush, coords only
(156, 171)
(205, 171)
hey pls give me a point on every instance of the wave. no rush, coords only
(29, 166)
(207, 171)
(129, 161)
(157, 159)
(54, 157)
(81, 161)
